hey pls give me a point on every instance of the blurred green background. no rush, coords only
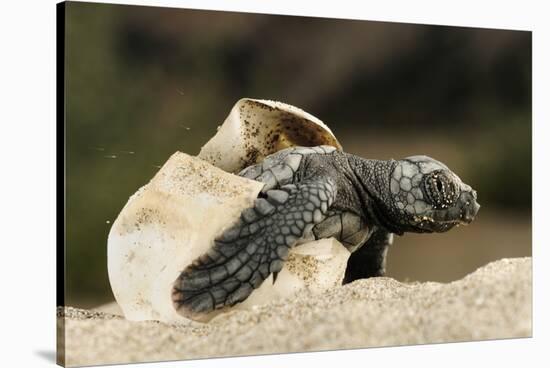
(144, 82)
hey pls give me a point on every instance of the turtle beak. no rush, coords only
(470, 206)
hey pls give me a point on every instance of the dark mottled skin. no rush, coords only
(319, 192)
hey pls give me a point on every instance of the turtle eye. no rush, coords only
(439, 185)
(440, 191)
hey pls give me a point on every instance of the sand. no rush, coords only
(491, 303)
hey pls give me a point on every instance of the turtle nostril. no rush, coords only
(468, 205)
(470, 211)
(477, 206)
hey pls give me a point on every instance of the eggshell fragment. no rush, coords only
(257, 128)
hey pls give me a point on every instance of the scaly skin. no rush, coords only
(319, 192)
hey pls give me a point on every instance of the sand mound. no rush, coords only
(492, 302)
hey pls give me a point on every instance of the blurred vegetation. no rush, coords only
(143, 82)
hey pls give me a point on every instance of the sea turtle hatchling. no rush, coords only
(319, 192)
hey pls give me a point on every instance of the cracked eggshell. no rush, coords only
(257, 128)
(174, 219)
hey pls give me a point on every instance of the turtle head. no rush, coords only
(426, 196)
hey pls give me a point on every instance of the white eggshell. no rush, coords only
(257, 128)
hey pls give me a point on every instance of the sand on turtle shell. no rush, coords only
(492, 302)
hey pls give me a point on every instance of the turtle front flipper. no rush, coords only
(253, 248)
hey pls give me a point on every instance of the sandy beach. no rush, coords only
(493, 302)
